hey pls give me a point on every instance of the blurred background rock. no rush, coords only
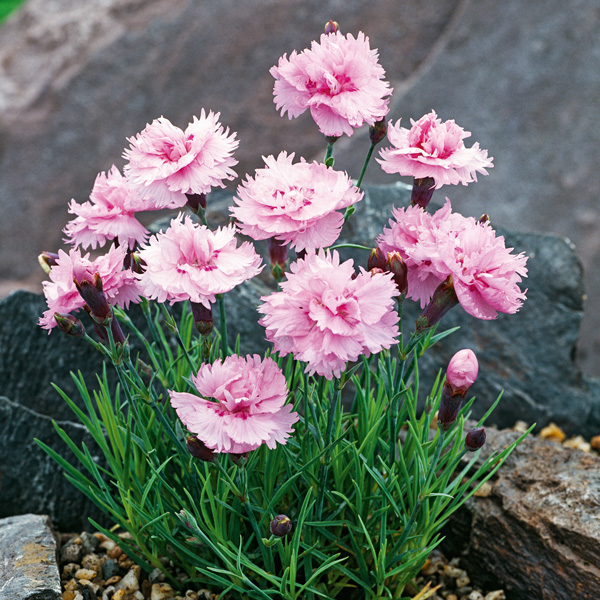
(79, 76)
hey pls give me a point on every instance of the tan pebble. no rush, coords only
(496, 595)
(453, 572)
(484, 491)
(130, 581)
(72, 585)
(126, 535)
(115, 552)
(78, 596)
(69, 570)
(161, 591)
(553, 432)
(125, 563)
(455, 562)
(108, 593)
(578, 443)
(595, 442)
(107, 545)
(91, 561)
(451, 597)
(426, 566)
(86, 574)
(114, 579)
(520, 427)
(138, 596)
(90, 584)
(191, 595)
(119, 595)
(475, 595)
(205, 595)
(463, 581)
(68, 595)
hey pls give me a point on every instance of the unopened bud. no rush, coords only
(378, 131)
(462, 371)
(422, 191)
(203, 318)
(485, 218)
(94, 298)
(444, 298)
(331, 27)
(196, 201)
(278, 258)
(449, 407)
(134, 263)
(69, 324)
(475, 439)
(198, 449)
(377, 260)
(399, 270)
(280, 526)
(47, 260)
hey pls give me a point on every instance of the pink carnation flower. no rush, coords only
(190, 262)
(339, 79)
(433, 149)
(295, 203)
(119, 285)
(242, 405)
(166, 163)
(484, 272)
(109, 215)
(326, 318)
(462, 370)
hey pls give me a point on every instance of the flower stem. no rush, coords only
(223, 326)
(350, 210)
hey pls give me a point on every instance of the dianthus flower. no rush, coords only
(339, 79)
(295, 203)
(118, 285)
(485, 274)
(190, 262)
(242, 405)
(432, 148)
(326, 318)
(166, 163)
(108, 215)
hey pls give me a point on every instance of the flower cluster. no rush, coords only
(484, 272)
(339, 80)
(326, 315)
(242, 404)
(295, 203)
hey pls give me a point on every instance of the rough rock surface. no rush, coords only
(538, 531)
(76, 78)
(28, 567)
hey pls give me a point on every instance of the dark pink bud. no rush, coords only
(485, 218)
(378, 131)
(462, 371)
(47, 260)
(94, 298)
(278, 258)
(134, 262)
(443, 299)
(331, 27)
(377, 260)
(196, 201)
(203, 318)
(422, 191)
(69, 324)
(449, 407)
(475, 439)
(197, 448)
(399, 270)
(281, 526)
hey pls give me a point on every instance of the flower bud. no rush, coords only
(196, 201)
(378, 131)
(134, 263)
(444, 298)
(198, 449)
(485, 218)
(462, 371)
(69, 324)
(331, 27)
(47, 260)
(398, 268)
(422, 191)
(280, 526)
(449, 407)
(94, 298)
(203, 318)
(475, 439)
(278, 258)
(377, 260)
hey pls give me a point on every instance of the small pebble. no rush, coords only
(107, 545)
(553, 432)
(89, 542)
(109, 568)
(69, 570)
(451, 597)
(453, 572)
(119, 595)
(496, 595)
(520, 427)
(114, 579)
(86, 574)
(68, 595)
(72, 551)
(137, 596)
(115, 552)
(161, 591)
(484, 491)
(72, 585)
(595, 442)
(92, 561)
(108, 593)
(191, 595)
(156, 576)
(578, 443)
(463, 581)
(130, 582)
(475, 595)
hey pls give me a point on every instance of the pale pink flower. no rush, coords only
(166, 163)
(326, 318)
(295, 203)
(485, 274)
(242, 405)
(339, 79)
(462, 370)
(119, 285)
(190, 262)
(108, 215)
(432, 148)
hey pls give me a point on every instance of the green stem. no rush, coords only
(328, 152)
(358, 246)
(223, 326)
(365, 164)
(172, 325)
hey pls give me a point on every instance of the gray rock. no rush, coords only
(28, 568)
(537, 534)
(30, 481)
